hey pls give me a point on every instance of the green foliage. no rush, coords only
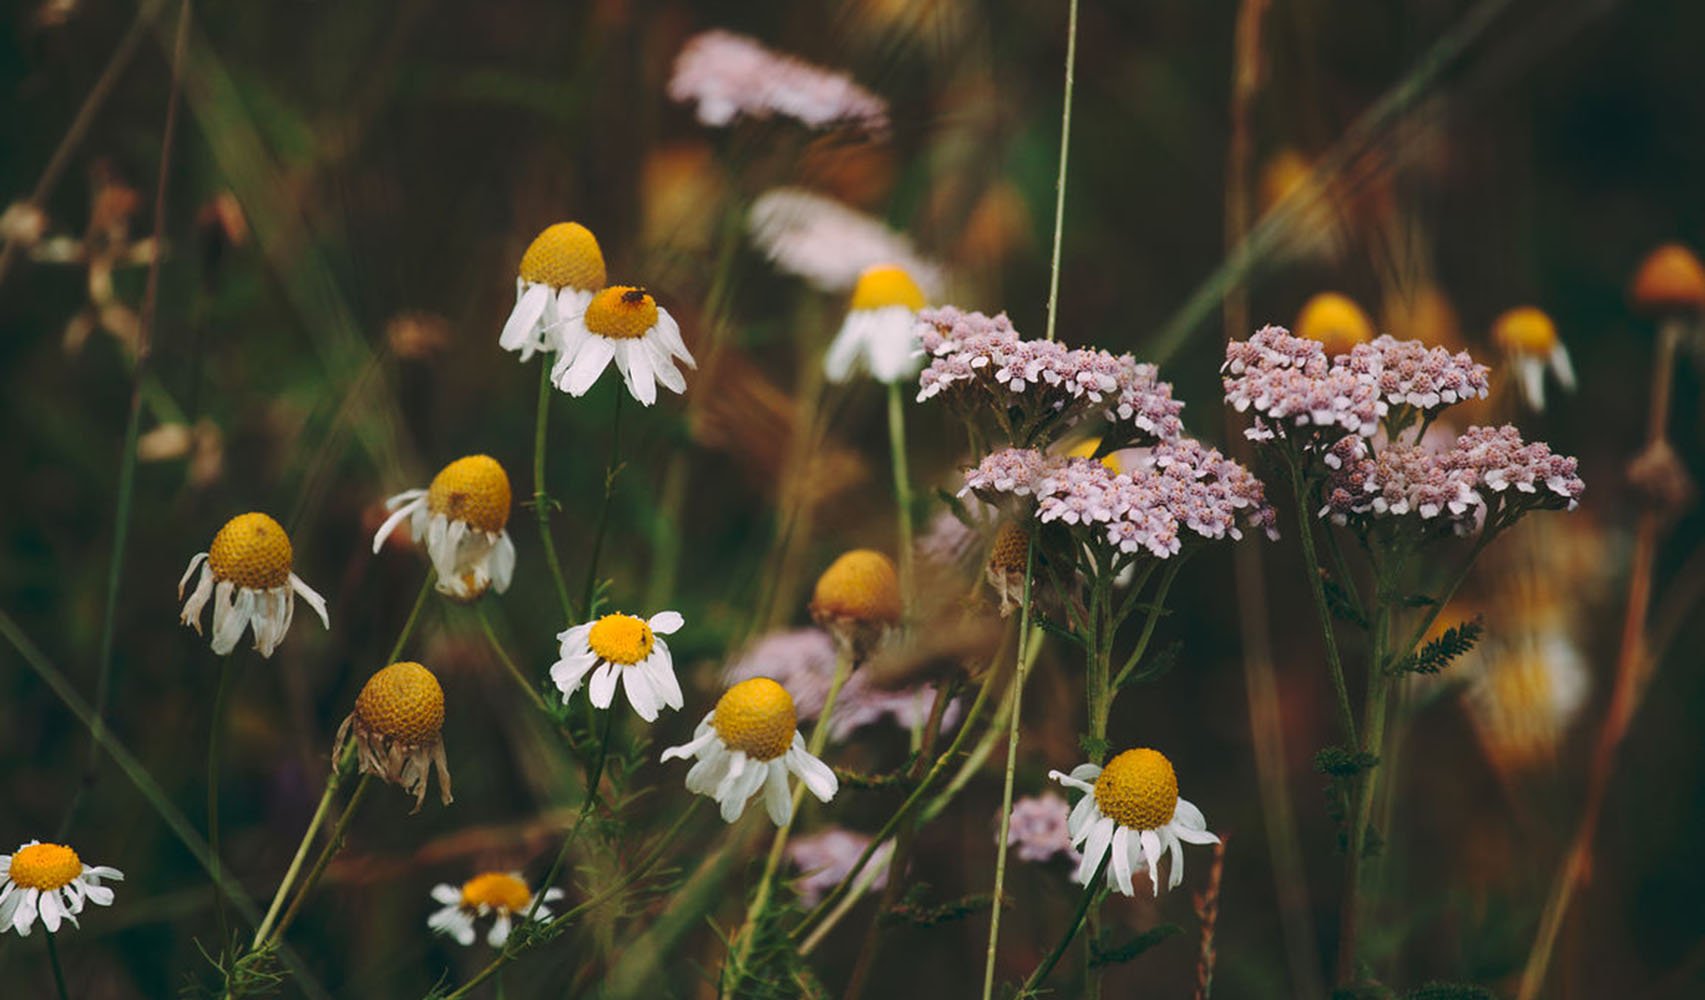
(899, 778)
(1441, 652)
(1159, 665)
(1338, 601)
(1096, 747)
(915, 911)
(1100, 954)
(1343, 762)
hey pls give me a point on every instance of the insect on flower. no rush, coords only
(624, 324)
(626, 648)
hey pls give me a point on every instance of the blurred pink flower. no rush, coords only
(728, 76)
(824, 858)
(1039, 831)
(829, 244)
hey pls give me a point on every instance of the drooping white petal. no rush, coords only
(194, 561)
(446, 893)
(311, 596)
(502, 562)
(603, 688)
(1151, 855)
(517, 332)
(778, 798)
(641, 695)
(1120, 868)
(589, 363)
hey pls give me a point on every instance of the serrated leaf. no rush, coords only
(1339, 603)
(1100, 956)
(1441, 652)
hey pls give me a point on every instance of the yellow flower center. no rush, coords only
(757, 717)
(1670, 279)
(886, 285)
(1336, 321)
(1011, 548)
(45, 866)
(621, 312)
(1138, 789)
(1526, 330)
(251, 551)
(498, 890)
(564, 256)
(861, 585)
(403, 702)
(474, 490)
(1087, 448)
(621, 638)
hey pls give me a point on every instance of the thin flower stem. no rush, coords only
(58, 973)
(1317, 590)
(980, 753)
(333, 845)
(772, 863)
(1092, 891)
(290, 874)
(1011, 764)
(611, 468)
(902, 489)
(1060, 179)
(508, 662)
(541, 494)
(215, 761)
(1156, 610)
(413, 618)
(587, 804)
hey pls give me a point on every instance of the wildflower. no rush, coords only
(623, 324)
(246, 571)
(397, 727)
(826, 857)
(1294, 390)
(828, 244)
(625, 647)
(559, 273)
(501, 894)
(803, 662)
(1132, 808)
(1336, 321)
(1529, 341)
(1670, 282)
(857, 599)
(1010, 472)
(1040, 830)
(728, 76)
(748, 743)
(52, 882)
(461, 516)
(877, 335)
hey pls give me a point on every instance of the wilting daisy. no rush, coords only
(50, 881)
(624, 647)
(247, 573)
(500, 894)
(461, 516)
(857, 599)
(1132, 808)
(623, 324)
(748, 743)
(1529, 341)
(398, 727)
(879, 335)
(561, 270)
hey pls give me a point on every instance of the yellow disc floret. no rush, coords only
(474, 489)
(621, 312)
(1525, 330)
(1336, 321)
(886, 285)
(499, 891)
(622, 639)
(862, 586)
(251, 551)
(564, 256)
(45, 866)
(1670, 280)
(402, 702)
(1138, 789)
(757, 717)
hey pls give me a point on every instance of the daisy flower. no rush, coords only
(1335, 321)
(748, 743)
(1529, 340)
(624, 647)
(398, 727)
(879, 335)
(503, 894)
(1132, 808)
(857, 599)
(247, 573)
(461, 516)
(559, 274)
(623, 324)
(49, 881)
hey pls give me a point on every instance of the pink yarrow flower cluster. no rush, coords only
(728, 76)
(1038, 829)
(830, 244)
(826, 857)
(1409, 373)
(1289, 383)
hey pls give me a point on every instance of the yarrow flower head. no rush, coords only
(626, 648)
(1040, 829)
(462, 516)
(559, 273)
(826, 857)
(1531, 345)
(51, 882)
(830, 245)
(247, 573)
(728, 76)
(878, 336)
(1294, 390)
(624, 324)
(397, 729)
(1409, 373)
(504, 896)
(748, 744)
(1131, 808)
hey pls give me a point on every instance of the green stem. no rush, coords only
(333, 845)
(587, 804)
(58, 973)
(611, 468)
(320, 813)
(1060, 179)
(1093, 890)
(541, 495)
(508, 662)
(1011, 768)
(1311, 566)
(215, 760)
(902, 489)
(1156, 610)
(413, 618)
